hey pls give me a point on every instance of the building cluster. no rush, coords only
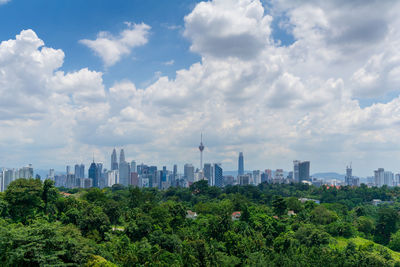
(131, 174)
(382, 177)
(9, 175)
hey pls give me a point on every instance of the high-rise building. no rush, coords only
(241, 164)
(218, 177)
(296, 176)
(114, 161)
(244, 179)
(348, 179)
(94, 174)
(134, 179)
(174, 175)
(379, 177)
(82, 170)
(133, 166)
(301, 171)
(304, 170)
(79, 171)
(121, 156)
(209, 173)
(153, 175)
(388, 178)
(112, 178)
(264, 177)
(188, 172)
(124, 173)
(51, 174)
(68, 170)
(6, 177)
(256, 177)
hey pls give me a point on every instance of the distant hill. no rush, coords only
(329, 175)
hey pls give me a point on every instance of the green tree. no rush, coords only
(42, 243)
(279, 205)
(294, 204)
(49, 196)
(386, 225)
(365, 225)
(321, 215)
(394, 243)
(24, 198)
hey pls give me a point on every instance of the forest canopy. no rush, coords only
(265, 225)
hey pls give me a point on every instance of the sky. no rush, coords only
(278, 80)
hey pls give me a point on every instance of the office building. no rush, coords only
(124, 173)
(209, 173)
(379, 177)
(240, 164)
(134, 181)
(256, 177)
(218, 177)
(112, 178)
(301, 171)
(79, 171)
(188, 172)
(133, 166)
(244, 179)
(114, 161)
(174, 175)
(94, 174)
(388, 178)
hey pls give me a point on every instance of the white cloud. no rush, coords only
(2, 2)
(274, 103)
(225, 28)
(169, 62)
(111, 48)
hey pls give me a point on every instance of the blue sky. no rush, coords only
(279, 80)
(63, 23)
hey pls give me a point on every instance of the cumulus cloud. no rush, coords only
(247, 93)
(224, 28)
(111, 48)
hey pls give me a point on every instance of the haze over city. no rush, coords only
(278, 80)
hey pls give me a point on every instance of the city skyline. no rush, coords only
(279, 80)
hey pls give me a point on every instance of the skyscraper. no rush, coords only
(301, 170)
(388, 178)
(379, 176)
(121, 156)
(174, 175)
(133, 166)
(188, 172)
(114, 161)
(124, 173)
(296, 176)
(241, 164)
(304, 170)
(219, 179)
(348, 179)
(68, 169)
(79, 171)
(94, 174)
(82, 170)
(209, 173)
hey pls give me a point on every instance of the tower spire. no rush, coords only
(201, 148)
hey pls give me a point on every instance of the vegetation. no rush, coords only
(41, 225)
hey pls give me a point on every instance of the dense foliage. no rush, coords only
(118, 226)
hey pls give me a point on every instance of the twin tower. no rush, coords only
(114, 160)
